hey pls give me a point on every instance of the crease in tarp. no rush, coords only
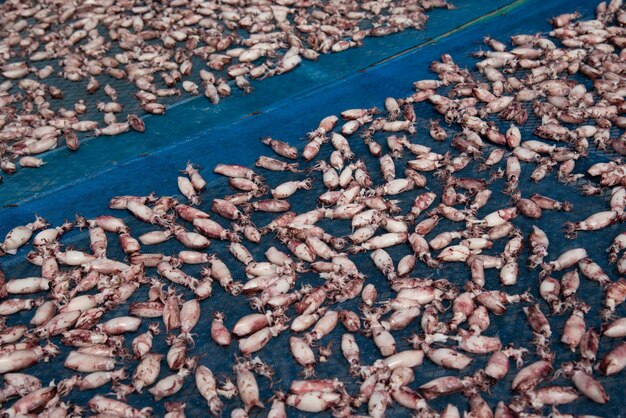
(503, 9)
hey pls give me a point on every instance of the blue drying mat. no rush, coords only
(289, 120)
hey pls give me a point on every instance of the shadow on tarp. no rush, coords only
(192, 116)
(289, 121)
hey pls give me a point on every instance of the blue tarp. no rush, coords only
(197, 117)
(288, 107)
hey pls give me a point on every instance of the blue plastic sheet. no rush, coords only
(195, 117)
(288, 119)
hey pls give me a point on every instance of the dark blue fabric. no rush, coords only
(289, 119)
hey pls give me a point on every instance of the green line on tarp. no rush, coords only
(499, 11)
